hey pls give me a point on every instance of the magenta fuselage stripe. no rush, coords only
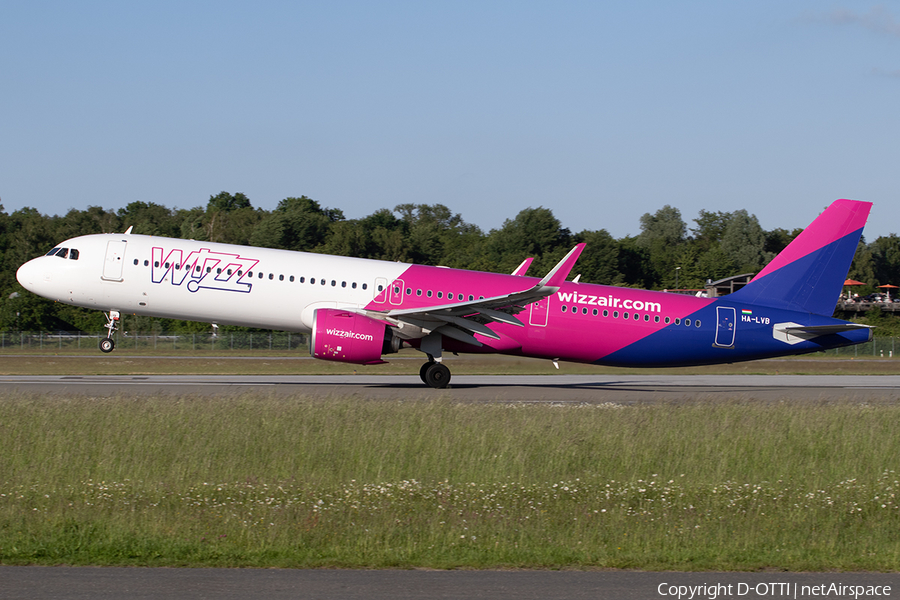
(840, 219)
(549, 331)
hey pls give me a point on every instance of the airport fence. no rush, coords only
(63, 341)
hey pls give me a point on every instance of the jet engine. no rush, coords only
(344, 336)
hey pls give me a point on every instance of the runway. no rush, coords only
(100, 583)
(622, 389)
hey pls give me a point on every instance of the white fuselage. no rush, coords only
(204, 281)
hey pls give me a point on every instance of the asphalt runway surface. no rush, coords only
(622, 389)
(98, 583)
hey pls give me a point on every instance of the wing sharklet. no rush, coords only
(523, 268)
(557, 275)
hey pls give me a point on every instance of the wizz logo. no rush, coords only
(203, 269)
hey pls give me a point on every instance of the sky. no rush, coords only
(599, 111)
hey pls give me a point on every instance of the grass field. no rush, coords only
(335, 482)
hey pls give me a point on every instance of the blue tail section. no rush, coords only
(808, 275)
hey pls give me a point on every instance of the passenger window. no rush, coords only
(292, 279)
(440, 294)
(564, 308)
(471, 297)
(667, 320)
(343, 284)
(135, 262)
(322, 282)
(312, 281)
(584, 311)
(697, 323)
(333, 283)
(353, 285)
(303, 280)
(418, 292)
(281, 278)
(647, 318)
(147, 264)
(605, 313)
(615, 314)
(380, 288)
(656, 319)
(625, 315)
(687, 322)
(594, 312)
(365, 286)
(678, 321)
(428, 294)
(271, 276)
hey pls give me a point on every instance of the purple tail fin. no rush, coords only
(808, 275)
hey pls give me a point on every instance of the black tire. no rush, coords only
(422, 371)
(107, 345)
(437, 376)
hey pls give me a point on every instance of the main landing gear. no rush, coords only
(108, 344)
(434, 373)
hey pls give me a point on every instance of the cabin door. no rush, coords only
(538, 312)
(115, 260)
(725, 317)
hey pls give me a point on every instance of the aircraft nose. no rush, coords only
(31, 274)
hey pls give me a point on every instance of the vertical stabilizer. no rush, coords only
(808, 275)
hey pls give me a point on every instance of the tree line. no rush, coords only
(667, 253)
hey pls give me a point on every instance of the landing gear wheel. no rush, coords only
(423, 370)
(107, 345)
(437, 375)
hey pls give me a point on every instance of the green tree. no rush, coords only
(662, 233)
(436, 235)
(295, 224)
(534, 232)
(149, 218)
(744, 242)
(885, 252)
(599, 263)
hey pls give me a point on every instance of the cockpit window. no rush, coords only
(52, 252)
(73, 254)
(63, 253)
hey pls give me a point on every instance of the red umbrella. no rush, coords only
(852, 282)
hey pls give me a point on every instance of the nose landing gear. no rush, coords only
(108, 344)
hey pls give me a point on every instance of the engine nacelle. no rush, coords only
(344, 336)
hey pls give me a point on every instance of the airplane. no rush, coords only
(358, 310)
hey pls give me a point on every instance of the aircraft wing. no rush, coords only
(461, 320)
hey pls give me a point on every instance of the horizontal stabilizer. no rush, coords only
(825, 329)
(794, 333)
